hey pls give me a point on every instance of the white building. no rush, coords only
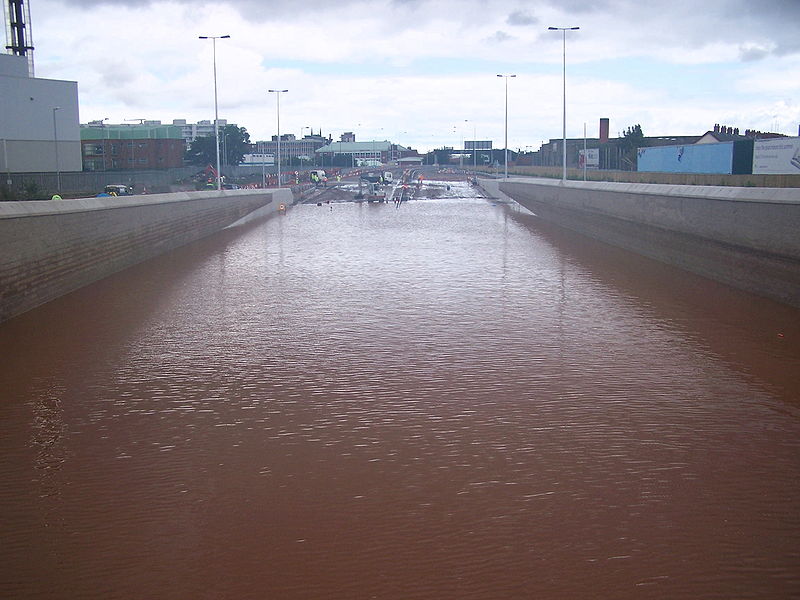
(258, 159)
(192, 131)
(39, 123)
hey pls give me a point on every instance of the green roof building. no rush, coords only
(131, 147)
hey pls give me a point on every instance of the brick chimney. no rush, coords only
(603, 130)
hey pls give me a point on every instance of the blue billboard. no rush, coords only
(690, 158)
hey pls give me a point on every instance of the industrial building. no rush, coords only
(603, 152)
(723, 150)
(303, 149)
(39, 128)
(363, 153)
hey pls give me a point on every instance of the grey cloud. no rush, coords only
(751, 53)
(521, 17)
(792, 46)
(499, 37)
(764, 28)
(583, 7)
(761, 28)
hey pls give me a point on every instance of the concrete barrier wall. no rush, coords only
(777, 181)
(50, 248)
(745, 237)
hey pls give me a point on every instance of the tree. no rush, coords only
(632, 138)
(234, 142)
(439, 156)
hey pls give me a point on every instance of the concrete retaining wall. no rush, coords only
(761, 181)
(745, 237)
(50, 248)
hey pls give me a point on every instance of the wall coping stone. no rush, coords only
(706, 192)
(34, 208)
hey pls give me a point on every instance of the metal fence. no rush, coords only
(41, 186)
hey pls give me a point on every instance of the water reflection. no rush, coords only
(443, 400)
(753, 334)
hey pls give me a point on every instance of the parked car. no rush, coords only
(118, 190)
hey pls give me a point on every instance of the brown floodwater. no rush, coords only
(449, 399)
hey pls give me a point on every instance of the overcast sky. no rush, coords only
(424, 72)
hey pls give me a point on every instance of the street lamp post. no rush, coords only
(461, 158)
(260, 147)
(474, 149)
(307, 148)
(55, 137)
(505, 175)
(214, 39)
(224, 153)
(103, 146)
(133, 143)
(278, 94)
(564, 31)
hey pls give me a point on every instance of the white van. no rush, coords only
(388, 177)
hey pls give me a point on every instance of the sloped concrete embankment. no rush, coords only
(48, 249)
(744, 237)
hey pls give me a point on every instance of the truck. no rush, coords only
(375, 193)
(318, 176)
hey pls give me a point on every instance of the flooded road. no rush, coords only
(442, 399)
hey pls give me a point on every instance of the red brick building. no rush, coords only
(131, 147)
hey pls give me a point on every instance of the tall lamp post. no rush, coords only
(461, 160)
(263, 165)
(132, 159)
(564, 31)
(214, 39)
(505, 175)
(55, 137)
(102, 123)
(278, 94)
(474, 148)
